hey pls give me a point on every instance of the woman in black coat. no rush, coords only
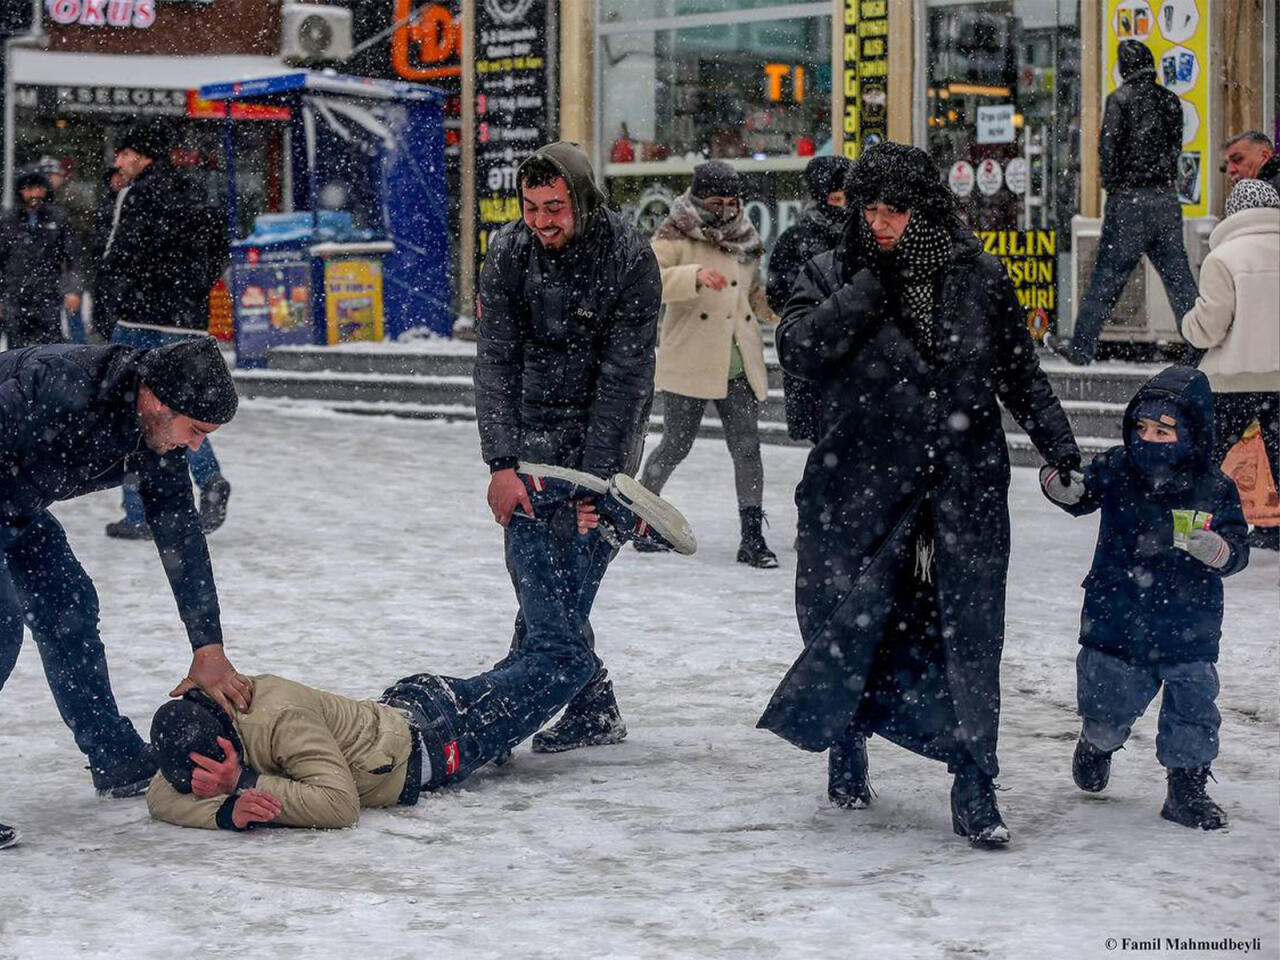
(910, 334)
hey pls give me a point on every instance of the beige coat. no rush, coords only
(700, 325)
(321, 755)
(1237, 315)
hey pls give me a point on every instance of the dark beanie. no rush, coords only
(190, 725)
(715, 178)
(824, 175)
(191, 378)
(152, 138)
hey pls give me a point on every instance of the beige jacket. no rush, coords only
(321, 755)
(1237, 315)
(700, 325)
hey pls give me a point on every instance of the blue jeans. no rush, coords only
(43, 583)
(202, 462)
(1113, 693)
(1137, 221)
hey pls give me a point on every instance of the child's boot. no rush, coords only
(1090, 767)
(1187, 803)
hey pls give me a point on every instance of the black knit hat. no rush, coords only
(902, 176)
(715, 178)
(190, 725)
(30, 177)
(152, 138)
(824, 175)
(191, 378)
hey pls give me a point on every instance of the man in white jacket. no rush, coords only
(1237, 319)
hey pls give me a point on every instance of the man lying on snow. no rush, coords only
(306, 758)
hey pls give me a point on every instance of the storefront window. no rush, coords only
(615, 10)
(758, 89)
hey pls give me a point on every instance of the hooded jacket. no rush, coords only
(1141, 126)
(321, 755)
(1145, 600)
(565, 338)
(40, 261)
(1237, 315)
(69, 426)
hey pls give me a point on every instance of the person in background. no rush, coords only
(1251, 156)
(164, 250)
(1237, 319)
(1139, 150)
(40, 265)
(818, 231)
(710, 346)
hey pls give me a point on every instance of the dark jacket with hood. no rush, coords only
(1141, 126)
(69, 426)
(1145, 600)
(565, 338)
(40, 261)
(1270, 171)
(168, 250)
(903, 438)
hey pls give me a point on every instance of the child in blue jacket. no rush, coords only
(1153, 600)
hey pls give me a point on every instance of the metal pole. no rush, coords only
(467, 218)
(229, 148)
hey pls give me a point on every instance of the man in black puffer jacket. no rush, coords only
(78, 419)
(1141, 144)
(567, 321)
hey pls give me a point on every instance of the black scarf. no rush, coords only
(910, 272)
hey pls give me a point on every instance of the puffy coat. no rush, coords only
(700, 325)
(895, 431)
(1141, 126)
(321, 755)
(168, 250)
(1237, 315)
(69, 426)
(1145, 600)
(565, 342)
(39, 262)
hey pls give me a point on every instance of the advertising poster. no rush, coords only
(272, 305)
(1030, 257)
(513, 112)
(866, 75)
(353, 300)
(1177, 34)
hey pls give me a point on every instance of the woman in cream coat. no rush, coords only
(1237, 318)
(710, 346)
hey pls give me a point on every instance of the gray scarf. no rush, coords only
(687, 220)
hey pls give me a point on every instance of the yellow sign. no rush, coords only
(1177, 34)
(1030, 257)
(353, 300)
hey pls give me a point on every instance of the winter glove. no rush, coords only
(1209, 548)
(1063, 484)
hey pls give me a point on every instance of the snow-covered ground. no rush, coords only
(359, 550)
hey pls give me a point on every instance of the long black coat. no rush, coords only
(168, 250)
(40, 260)
(565, 347)
(69, 426)
(893, 432)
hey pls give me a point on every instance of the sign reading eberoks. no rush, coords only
(1030, 257)
(1177, 33)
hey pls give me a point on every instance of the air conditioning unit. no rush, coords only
(311, 32)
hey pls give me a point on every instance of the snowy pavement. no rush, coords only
(359, 550)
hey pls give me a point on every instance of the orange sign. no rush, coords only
(426, 46)
(201, 109)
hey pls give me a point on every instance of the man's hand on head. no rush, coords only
(213, 673)
(216, 778)
(506, 492)
(254, 806)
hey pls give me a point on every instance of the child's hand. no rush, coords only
(1063, 486)
(1209, 548)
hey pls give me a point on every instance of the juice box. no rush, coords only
(1184, 521)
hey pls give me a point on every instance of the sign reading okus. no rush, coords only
(1177, 34)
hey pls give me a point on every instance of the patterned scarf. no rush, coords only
(689, 220)
(911, 270)
(1251, 195)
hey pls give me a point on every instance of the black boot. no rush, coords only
(213, 503)
(125, 530)
(8, 836)
(128, 779)
(752, 549)
(1187, 803)
(590, 720)
(848, 785)
(974, 813)
(1090, 767)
